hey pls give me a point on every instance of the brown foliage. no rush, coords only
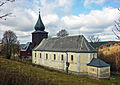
(111, 55)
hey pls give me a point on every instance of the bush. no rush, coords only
(8, 56)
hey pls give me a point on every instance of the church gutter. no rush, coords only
(68, 51)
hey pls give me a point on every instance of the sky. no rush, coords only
(78, 17)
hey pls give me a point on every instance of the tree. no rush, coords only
(117, 27)
(62, 33)
(10, 44)
(2, 3)
(94, 40)
(117, 64)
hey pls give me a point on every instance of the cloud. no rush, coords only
(50, 18)
(24, 17)
(62, 7)
(87, 3)
(96, 22)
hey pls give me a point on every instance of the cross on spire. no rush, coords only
(39, 10)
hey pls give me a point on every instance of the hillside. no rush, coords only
(16, 73)
(111, 50)
(111, 55)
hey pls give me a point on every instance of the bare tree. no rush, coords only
(10, 44)
(117, 27)
(3, 3)
(94, 40)
(62, 33)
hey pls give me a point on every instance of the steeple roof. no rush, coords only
(39, 25)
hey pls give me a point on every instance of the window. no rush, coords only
(46, 56)
(71, 57)
(62, 57)
(35, 54)
(54, 57)
(94, 55)
(40, 55)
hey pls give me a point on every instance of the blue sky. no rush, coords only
(85, 17)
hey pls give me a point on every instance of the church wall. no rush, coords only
(73, 63)
(76, 64)
(34, 57)
(54, 60)
(85, 58)
(40, 57)
(61, 61)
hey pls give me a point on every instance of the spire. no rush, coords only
(39, 25)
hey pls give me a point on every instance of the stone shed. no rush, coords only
(99, 69)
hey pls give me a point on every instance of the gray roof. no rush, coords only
(67, 43)
(98, 63)
(27, 47)
(22, 45)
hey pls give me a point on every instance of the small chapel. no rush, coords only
(71, 54)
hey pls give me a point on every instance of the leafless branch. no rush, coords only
(5, 15)
(2, 3)
(117, 26)
(119, 9)
(118, 37)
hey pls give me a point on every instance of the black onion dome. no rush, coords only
(39, 25)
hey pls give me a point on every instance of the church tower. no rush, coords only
(39, 34)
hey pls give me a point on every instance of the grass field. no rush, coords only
(17, 73)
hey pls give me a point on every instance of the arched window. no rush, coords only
(62, 57)
(54, 57)
(35, 54)
(46, 56)
(40, 55)
(94, 55)
(71, 57)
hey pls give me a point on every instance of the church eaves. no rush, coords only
(66, 44)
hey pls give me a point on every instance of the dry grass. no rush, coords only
(16, 73)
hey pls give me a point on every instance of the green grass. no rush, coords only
(17, 73)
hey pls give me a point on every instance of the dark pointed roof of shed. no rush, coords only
(98, 63)
(67, 43)
(27, 47)
(39, 25)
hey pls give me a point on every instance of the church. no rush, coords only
(71, 54)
